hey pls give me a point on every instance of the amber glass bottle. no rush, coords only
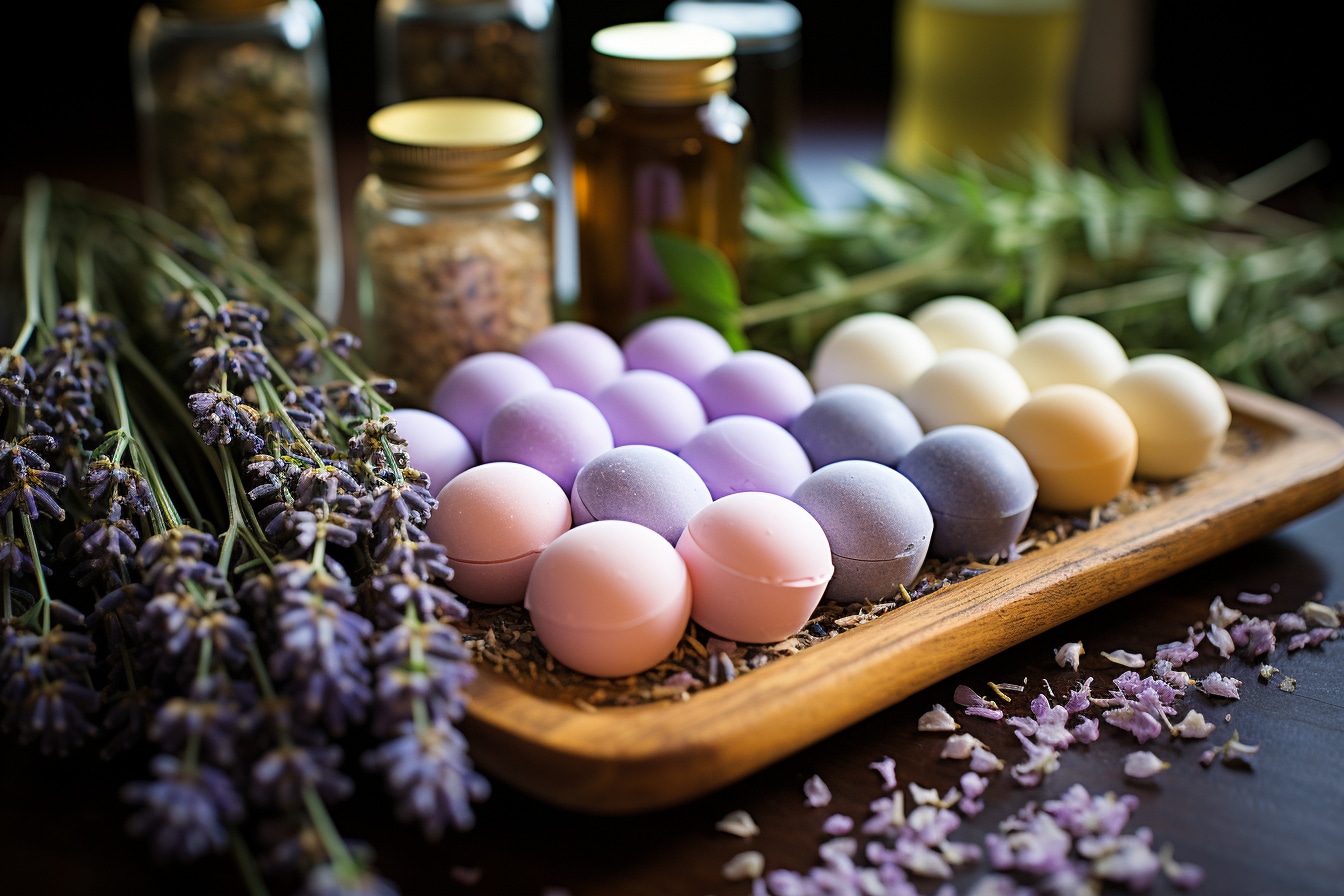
(663, 146)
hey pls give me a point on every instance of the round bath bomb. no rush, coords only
(641, 484)
(478, 385)
(742, 453)
(1179, 412)
(576, 356)
(759, 564)
(646, 407)
(877, 523)
(856, 421)
(609, 599)
(1065, 349)
(681, 347)
(555, 430)
(757, 383)
(1081, 445)
(875, 347)
(978, 487)
(967, 385)
(493, 521)
(434, 446)
(965, 322)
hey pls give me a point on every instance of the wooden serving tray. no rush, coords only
(621, 760)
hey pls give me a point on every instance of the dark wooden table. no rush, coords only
(1272, 828)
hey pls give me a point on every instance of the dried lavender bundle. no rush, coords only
(252, 561)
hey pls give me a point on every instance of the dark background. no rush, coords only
(1243, 82)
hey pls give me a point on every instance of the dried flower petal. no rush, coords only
(1193, 726)
(887, 769)
(816, 792)
(1143, 764)
(1040, 761)
(1124, 658)
(838, 825)
(738, 823)
(937, 719)
(1185, 875)
(1221, 615)
(1289, 623)
(1247, 597)
(1218, 685)
(1222, 641)
(975, 704)
(744, 866)
(1068, 655)
(1317, 614)
(1087, 731)
(983, 761)
(959, 746)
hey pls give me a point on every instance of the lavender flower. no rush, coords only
(221, 417)
(429, 775)
(184, 810)
(327, 880)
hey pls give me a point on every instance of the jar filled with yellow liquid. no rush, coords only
(982, 76)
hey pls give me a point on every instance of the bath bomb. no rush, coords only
(856, 421)
(478, 385)
(647, 407)
(576, 356)
(967, 385)
(757, 383)
(641, 484)
(555, 431)
(874, 347)
(434, 446)
(1065, 349)
(965, 322)
(742, 453)
(1179, 412)
(681, 347)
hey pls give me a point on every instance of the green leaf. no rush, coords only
(699, 273)
(1209, 288)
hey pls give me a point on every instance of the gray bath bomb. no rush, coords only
(978, 487)
(877, 523)
(640, 484)
(856, 421)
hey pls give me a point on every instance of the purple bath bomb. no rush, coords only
(478, 385)
(434, 446)
(576, 356)
(646, 407)
(641, 484)
(757, 383)
(741, 453)
(856, 421)
(877, 523)
(681, 347)
(978, 487)
(555, 431)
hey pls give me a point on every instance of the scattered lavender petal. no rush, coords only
(975, 704)
(972, 785)
(1041, 761)
(1313, 638)
(1080, 698)
(1069, 654)
(1221, 615)
(838, 825)
(1081, 814)
(1222, 641)
(1184, 875)
(1131, 718)
(937, 719)
(1025, 724)
(1129, 860)
(1193, 726)
(816, 792)
(983, 761)
(887, 769)
(1290, 623)
(1087, 731)
(1124, 658)
(1247, 597)
(1318, 614)
(744, 865)
(738, 823)
(959, 746)
(1143, 764)
(1218, 685)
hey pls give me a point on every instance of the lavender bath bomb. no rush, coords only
(856, 421)
(478, 385)
(978, 487)
(757, 383)
(646, 407)
(576, 356)
(877, 523)
(741, 453)
(641, 484)
(434, 446)
(555, 431)
(681, 347)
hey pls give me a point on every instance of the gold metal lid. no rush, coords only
(454, 142)
(663, 63)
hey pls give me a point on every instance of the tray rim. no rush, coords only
(625, 760)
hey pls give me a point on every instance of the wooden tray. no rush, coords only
(621, 760)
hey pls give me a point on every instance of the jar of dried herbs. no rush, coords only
(663, 147)
(455, 236)
(235, 139)
(500, 49)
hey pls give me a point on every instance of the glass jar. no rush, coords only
(979, 76)
(501, 49)
(232, 96)
(767, 33)
(663, 146)
(455, 236)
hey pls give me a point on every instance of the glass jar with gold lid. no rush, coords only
(455, 236)
(663, 146)
(232, 98)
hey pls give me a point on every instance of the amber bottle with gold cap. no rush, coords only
(232, 99)
(455, 236)
(663, 146)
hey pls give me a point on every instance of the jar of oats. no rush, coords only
(455, 236)
(235, 141)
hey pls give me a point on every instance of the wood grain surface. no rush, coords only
(634, 759)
